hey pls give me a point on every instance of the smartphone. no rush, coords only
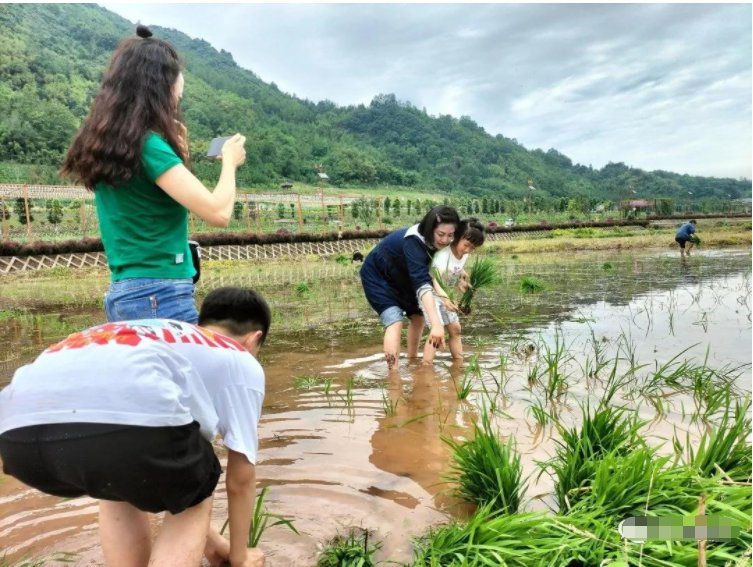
(215, 146)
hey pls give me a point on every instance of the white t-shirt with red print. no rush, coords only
(151, 372)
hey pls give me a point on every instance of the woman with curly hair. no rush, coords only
(132, 151)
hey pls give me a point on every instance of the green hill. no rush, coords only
(52, 57)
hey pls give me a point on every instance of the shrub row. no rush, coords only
(40, 248)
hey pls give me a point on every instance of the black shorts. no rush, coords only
(153, 468)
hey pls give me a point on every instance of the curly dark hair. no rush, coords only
(136, 97)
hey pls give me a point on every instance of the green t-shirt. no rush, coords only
(144, 230)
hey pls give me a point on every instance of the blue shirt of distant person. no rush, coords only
(686, 231)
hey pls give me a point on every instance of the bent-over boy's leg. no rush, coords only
(183, 537)
(125, 534)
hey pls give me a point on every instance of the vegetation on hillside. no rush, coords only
(52, 57)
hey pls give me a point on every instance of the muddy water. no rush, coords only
(345, 444)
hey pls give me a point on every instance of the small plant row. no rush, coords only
(282, 235)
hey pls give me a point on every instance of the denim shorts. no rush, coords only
(151, 298)
(447, 317)
(391, 315)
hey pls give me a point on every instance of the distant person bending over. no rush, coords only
(685, 237)
(132, 151)
(450, 264)
(125, 412)
(395, 277)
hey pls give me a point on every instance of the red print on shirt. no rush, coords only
(132, 335)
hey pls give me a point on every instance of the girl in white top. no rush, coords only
(450, 263)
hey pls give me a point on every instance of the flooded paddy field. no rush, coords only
(345, 444)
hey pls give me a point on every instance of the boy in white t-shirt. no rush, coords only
(125, 412)
(450, 263)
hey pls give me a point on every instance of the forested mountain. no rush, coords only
(52, 57)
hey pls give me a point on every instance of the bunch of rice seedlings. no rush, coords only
(724, 448)
(352, 550)
(494, 540)
(487, 471)
(632, 484)
(531, 284)
(605, 431)
(483, 273)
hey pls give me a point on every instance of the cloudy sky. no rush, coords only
(657, 86)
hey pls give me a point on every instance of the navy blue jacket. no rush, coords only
(395, 269)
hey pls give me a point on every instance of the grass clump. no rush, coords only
(352, 550)
(608, 430)
(531, 284)
(487, 471)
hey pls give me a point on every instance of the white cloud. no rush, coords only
(657, 86)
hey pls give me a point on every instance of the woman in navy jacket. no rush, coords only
(396, 276)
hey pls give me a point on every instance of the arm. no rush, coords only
(214, 207)
(440, 293)
(241, 496)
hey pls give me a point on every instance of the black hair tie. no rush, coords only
(143, 32)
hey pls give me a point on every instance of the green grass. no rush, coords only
(487, 471)
(351, 550)
(260, 521)
(531, 284)
(604, 431)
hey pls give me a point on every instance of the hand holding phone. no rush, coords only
(230, 149)
(215, 146)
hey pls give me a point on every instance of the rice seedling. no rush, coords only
(502, 367)
(490, 539)
(483, 273)
(479, 341)
(302, 289)
(390, 406)
(710, 400)
(309, 381)
(531, 284)
(532, 376)
(600, 357)
(725, 448)
(487, 471)
(347, 397)
(260, 521)
(351, 550)
(555, 357)
(541, 418)
(465, 387)
(606, 430)
(606, 266)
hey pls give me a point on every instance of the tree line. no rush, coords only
(52, 57)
